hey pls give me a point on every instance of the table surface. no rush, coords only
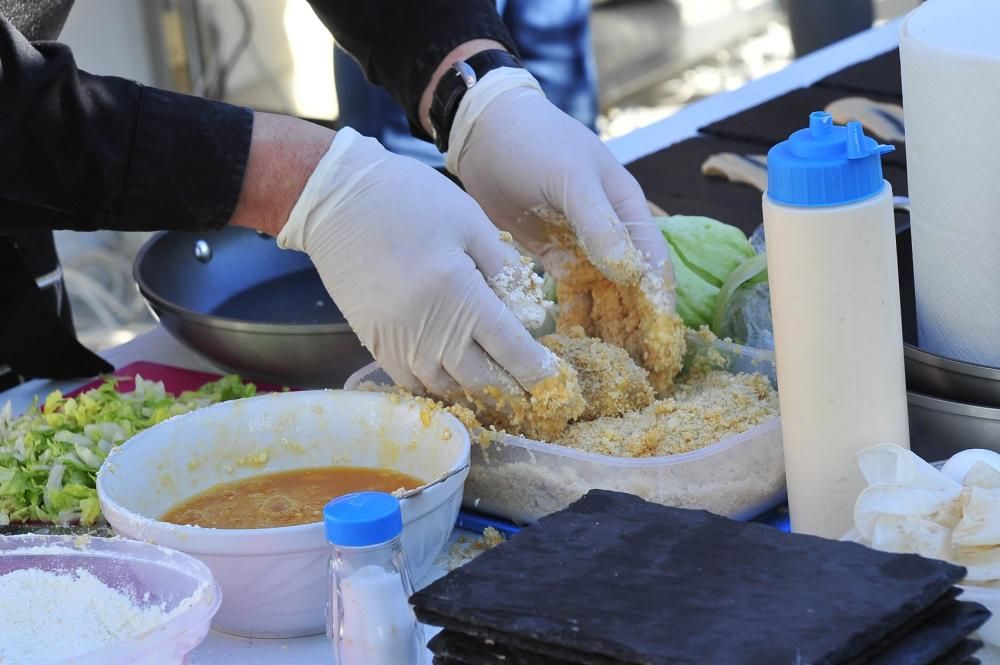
(159, 346)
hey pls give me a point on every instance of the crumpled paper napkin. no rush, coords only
(910, 506)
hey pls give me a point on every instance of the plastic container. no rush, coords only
(369, 618)
(522, 480)
(274, 579)
(169, 577)
(831, 257)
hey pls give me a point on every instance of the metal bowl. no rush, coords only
(933, 375)
(939, 428)
(955, 380)
(235, 298)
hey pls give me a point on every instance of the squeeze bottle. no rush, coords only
(369, 618)
(831, 261)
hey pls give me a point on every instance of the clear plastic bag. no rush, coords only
(747, 316)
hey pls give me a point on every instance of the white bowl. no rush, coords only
(274, 580)
(151, 575)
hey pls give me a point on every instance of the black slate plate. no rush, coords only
(675, 172)
(746, 217)
(672, 179)
(466, 648)
(603, 578)
(774, 120)
(880, 76)
(962, 654)
(936, 638)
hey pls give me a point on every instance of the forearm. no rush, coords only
(283, 153)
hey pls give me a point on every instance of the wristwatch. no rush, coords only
(460, 77)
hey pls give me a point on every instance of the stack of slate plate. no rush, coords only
(880, 75)
(615, 579)
(774, 121)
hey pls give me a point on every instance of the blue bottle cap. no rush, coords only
(825, 164)
(362, 519)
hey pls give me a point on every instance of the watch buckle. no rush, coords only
(466, 72)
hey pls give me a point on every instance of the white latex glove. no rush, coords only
(529, 165)
(403, 252)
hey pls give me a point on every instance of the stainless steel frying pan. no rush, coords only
(235, 298)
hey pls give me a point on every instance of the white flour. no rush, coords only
(520, 288)
(47, 617)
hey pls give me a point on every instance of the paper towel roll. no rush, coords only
(950, 52)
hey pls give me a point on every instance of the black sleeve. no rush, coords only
(400, 43)
(87, 152)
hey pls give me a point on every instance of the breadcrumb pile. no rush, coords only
(705, 409)
(464, 550)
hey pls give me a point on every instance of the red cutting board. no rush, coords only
(175, 379)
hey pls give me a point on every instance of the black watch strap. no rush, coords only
(461, 76)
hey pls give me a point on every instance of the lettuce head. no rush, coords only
(712, 260)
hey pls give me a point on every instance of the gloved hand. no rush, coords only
(533, 168)
(403, 252)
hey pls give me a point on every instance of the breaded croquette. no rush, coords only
(611, 382)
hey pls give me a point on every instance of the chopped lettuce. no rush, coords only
(49, 456)
(711, 261)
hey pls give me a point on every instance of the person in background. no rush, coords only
(554, 42)
(405, 254)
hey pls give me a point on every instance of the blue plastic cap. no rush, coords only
(362, 519)
(825, 164)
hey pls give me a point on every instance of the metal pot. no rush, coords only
(939, 428)
(235, 298)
